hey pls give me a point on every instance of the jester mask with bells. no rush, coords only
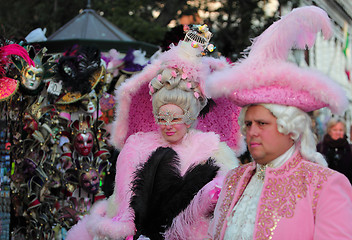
(83, 136)
(32, 76)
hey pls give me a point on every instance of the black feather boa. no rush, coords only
(160, 193)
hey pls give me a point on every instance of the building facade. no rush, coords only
(332, 57)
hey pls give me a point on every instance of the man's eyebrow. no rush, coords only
(257, 120)
(260, 120)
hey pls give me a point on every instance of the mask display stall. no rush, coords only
(55, 109)
(8, 87)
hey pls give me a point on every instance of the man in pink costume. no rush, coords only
(175, 82)
(287, 192)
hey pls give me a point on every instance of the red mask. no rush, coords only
(84, 143)
(30, 125)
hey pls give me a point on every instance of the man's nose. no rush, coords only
(253, 130)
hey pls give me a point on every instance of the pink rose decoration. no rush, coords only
(214, 194)
(173, 73)
(151, 89)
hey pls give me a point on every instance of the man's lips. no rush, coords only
(170, 133)
(254, 144)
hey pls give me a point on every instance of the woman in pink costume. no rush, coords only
(287, 192)
(168, 174)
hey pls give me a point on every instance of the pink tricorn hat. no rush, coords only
(265, 75)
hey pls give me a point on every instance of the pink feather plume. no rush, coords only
(265, 75)
(15, 49)
(297, 29)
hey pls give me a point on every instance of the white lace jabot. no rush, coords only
(240, 225)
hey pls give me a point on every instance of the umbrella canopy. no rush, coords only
(89, 28)
(90, 25)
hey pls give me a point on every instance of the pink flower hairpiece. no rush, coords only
(151, 89)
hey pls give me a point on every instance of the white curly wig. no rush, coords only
(291, 120)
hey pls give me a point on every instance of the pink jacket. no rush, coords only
(114, 218)
(300, 200)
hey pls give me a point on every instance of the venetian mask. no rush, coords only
(83, 143)
(53, 183)
(30, 124)
(90, 181)
(32, 77)
(44, 193)
(14, 113)
(89, 103)
(171, 118)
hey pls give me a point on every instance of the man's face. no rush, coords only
(264, 141)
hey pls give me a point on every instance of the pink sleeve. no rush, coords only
(334, 209)
(136, 151)
(125, 167)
